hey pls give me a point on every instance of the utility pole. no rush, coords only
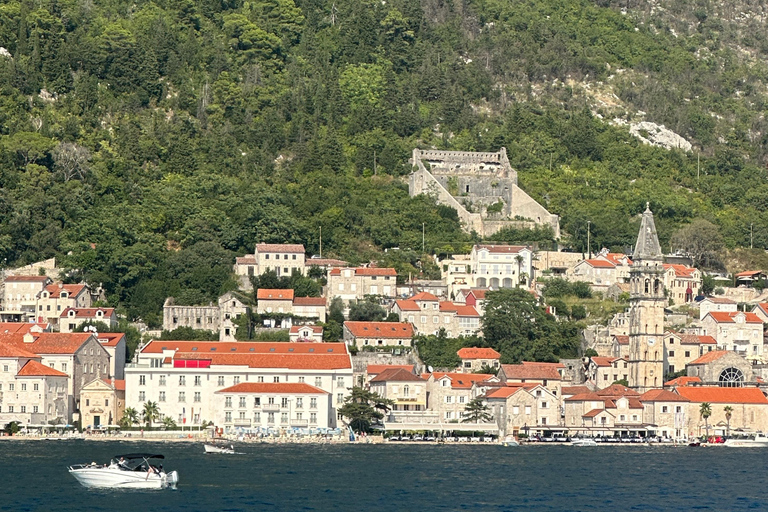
(698, 166)
(750, 235)
(422, 237)
(321, 241)
(374, 162)
(589, 249)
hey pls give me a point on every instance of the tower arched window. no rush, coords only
(731, 378)
(647, 286)
(657, 286)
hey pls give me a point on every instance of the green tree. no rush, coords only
(169, 423)
(367, 310)
(705, 411)
(702, 241)
(12, 428)
(707, 285)
(728, 415)
(130, 417)
(476, 411)
(150, 413)
(363, 408)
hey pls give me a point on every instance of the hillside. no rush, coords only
(147, 143)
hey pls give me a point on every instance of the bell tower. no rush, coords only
(646, 309)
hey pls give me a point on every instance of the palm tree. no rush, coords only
(150, 413)
(476, 411)
(519, 259)
(728, 413)
(705, 410)
(130, 417)
(169, 423)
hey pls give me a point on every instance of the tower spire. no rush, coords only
(647, 246)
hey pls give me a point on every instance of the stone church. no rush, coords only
(482, 187)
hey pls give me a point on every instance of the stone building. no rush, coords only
(482, 187)
(646, 310)
(475, 359)
(20, 295)
(722, 304)
(102, 402)
(721, 368)
(283, 259)
(357, 283)
(429, 315)
(378, 334)
(57, 297)
(524, 408)
(549, 375)
(72, 318)
(211, 317)
(681, 349)
(32, 393)
(739, 331)
(449, 393)
(748, 409)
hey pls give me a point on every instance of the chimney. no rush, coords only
(28, 338)
(61, 285)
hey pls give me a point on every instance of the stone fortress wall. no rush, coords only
(471, 182)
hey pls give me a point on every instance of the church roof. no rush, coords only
(647, 246)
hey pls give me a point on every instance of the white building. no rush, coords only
(272, 405)
(283, 259)
(357, 283)
(182, 377)
(501, 266)
(739, 331)
(72, 318)
(31, 392)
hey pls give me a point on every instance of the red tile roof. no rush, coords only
(246, 260)
(462, 380)
(592, 413)
(696, 339)
(501, 249)
(407, 305)
(682, 381)
(36, 369)
(19, 327)
(267, 294)
(621, 339)
(110, 339)
(11, 349)
(504, 392)
(466, 311)
(749, 273)
(718, 395)
(49, 342)
(72, 289)
(478, 353)
(719, 300)
(616, 257)
(424, 296)
(448, 306)
(729, 317)
(763, 307)
(368, 271)
(603, 361)
(680, 270)
(88, 312)
(315, 328)
(710, 356)
(309, 301)
(396, 375)
(478, 293)
(616, 391)
(289, 361)
(243, 347)
(25, 279)
(394, 330)
(274, 387)
(589, 396)
(600, 264)
(662, 395)
(535, 371)
(375, 369)
(289, 248)
(575, 390)
(119, 384)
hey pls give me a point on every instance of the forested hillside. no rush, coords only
(148, 143)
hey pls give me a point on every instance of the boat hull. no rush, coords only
(117, 478)
(218, 449)
(584, 443)
(746, 443)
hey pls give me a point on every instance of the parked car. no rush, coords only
(418, 437)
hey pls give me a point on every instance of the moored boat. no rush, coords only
(510, 441)
(129, 471)
(583, 442)
(219, 447)
(757, 440)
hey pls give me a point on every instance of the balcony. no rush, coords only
(240, 422)
(270, 407)
(299, 423)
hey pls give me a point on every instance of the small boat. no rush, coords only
(510, 441)
(583, 442)
(129, 471)
(219, 447)
(758, 440)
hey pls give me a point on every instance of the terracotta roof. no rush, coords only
(246, 260)
(603, 361)
(718, 395)
(575, 390)
(503, 392)
(680, 270)
(501, 249)
(36, 369)
(478, 353)
(537, 371)
(72, 289)
(29, 279)
(375, 369)
(466, 311)
(709, 357)
(719, 300)
(395, 330)
(294, 248)
(407, 305)
(309, 301)
(396, 375)
(682, 381)
(592, 413)
(600, 263)
(375, 271)
(697, 339)
(448, 306)
(424, 296)
(110, 339)
(462, 380)
(749, 273)
(315, 328)
(15, 349)
(119, 384)
(589, 396)
(298, 361)
(19, 327)
(616, 257)
(267, 294)
(621, 339)
(88, 312)
(763, 306)
(616, 390)
(662, 395)
(50, 342)
(326, 262)
(729, 317)
(274, 387)
(478, 293)
(243, 347)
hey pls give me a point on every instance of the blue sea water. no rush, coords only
(396, 477)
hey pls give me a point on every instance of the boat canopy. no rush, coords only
(139, 456)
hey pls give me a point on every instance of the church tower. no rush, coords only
(646, 309)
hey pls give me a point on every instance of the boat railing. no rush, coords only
(87, 466)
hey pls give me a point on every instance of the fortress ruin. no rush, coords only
(482, 187)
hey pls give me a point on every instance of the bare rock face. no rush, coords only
(658, 135)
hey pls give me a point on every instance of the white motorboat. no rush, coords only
(129, 471)
(757, 440)
(510, 441)
(219, 448)
(583, 442)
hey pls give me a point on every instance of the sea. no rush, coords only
(395, 477)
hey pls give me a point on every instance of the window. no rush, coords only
(271, 417)
(142, 398)
(198, 380)
(515, 409)
(340, 382)
(35, 387)
(182, 397)
(23, 386)
(5, 367)
(313, 418)
(605, 377)
(527, 409)
(35, 409)
(220, 380)
(87, 402)
(23, 408)
(275, 379)
(313, 403)
(664, 408)
(271, 400)
(106, 402)
(678, 408)
(461, 399)
(182, 380)
(257, 401)
(299, 403)
(318, 382)
(161, 398)
(299, 415)
(687, 353)
(197, 396)
(671, 353)
(162, 380)
(242, 401)
(301, 379)
(236, 379)
(142, 380)
(228, 401)
(543, 405)
(543, 421)
(260, 378)
(257, 417)
(10, 408)
(283, 417)
(339, 398)
(283, 402)
(449, 399)
(64, 367)
(11, 387)
(228, 417)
